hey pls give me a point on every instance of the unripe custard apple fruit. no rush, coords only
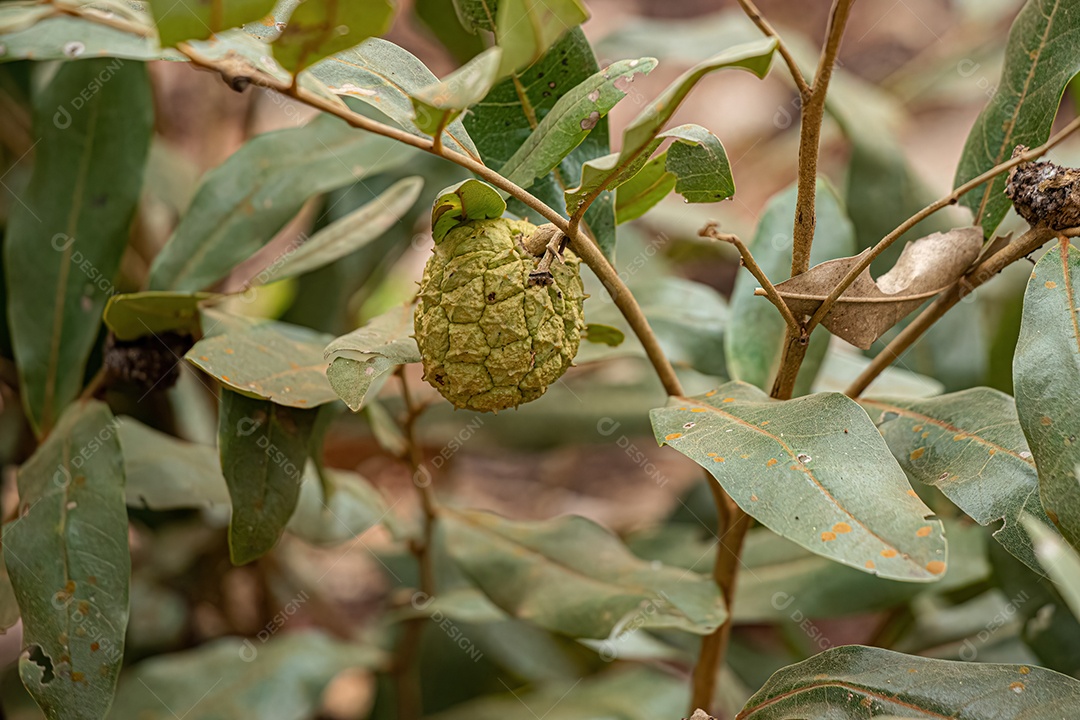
(489, 338)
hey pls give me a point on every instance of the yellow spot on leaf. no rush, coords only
(917, 453)
(1050, 284)
(710, 393)
(924, 531)
(729, 399)
(766, 422)
(204, 358)
(916, 428)
(771, 462)
(228, 351)
(841, 528)
(78, 677)
(754, 498)
(936, 567)
(718, 459)
(673, 436)
(1045, 420)
(992, 451)
(888, 553)
(1024, 669)
(1017, 687)
(925, 435)
(958, 437)
(827, 536)
(225, 378)
(912, 493)
(697, 410)
(711, 454)
(870, 565)
(744, 456)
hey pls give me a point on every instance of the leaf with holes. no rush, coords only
(272, 360)
(179, 20)
(525, 29)
(67, 555)
(970, 446)
(438, 104)
(1041, 57)
(813, 469)
(132, 315)
(263, 449)
(1046, 379)
(536, 571)
(854, 682)
(640, 138)
(319, 28)
(364, 357)
(66, 236)
(348, 234)
(755, 334)
(868, 308)
(245, 201)
(384, 76)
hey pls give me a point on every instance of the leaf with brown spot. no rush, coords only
(868, 308)
(846, 475)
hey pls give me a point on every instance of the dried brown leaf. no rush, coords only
(867, 309)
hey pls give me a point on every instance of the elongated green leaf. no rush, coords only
(571, 119)
(133, 315)
(970, 446)
(525, 29)
(644, 190)
(441, 102)
(366, 355)
(166, 473)
(640, 137)
(507, 117)
(67, 555)
(243, 203)
(1046, 379)
(1061, 561)
(68, 231)
(756, 331)
(50, 38)
(263, 448)
(352, 506)
(536, 571)
(814, 470)
(180, 20)
(318, 28)
(276, 678)
(348, 234)
(856, 682)
(274, 361)
(384, 76)
(467, 200)
(1040, 59)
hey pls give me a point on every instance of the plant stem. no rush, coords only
(711, 231)
(1023, 246)
(758, 19)
(406, 671)
(733, 526)
(813, 113)
(950, 199)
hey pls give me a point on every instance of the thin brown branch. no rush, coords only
(758, 19)
(1023, 246)
(813, 114)
(950, 199)
(711, 231)
(732, 527)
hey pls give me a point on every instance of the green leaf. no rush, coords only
(814, 470)
(441, 19)
(571, 119)
(1046, 379)
(525, 29)
(278, 678)
(1041, 58)
(467, 200)
(644, 190)
(970, 446)
(640, 137)
(348, 234)
(245, 201)
(352, 507)
(180, 20)
(366, 355)
(384, 75)
(271, 360)
(263, 448)
(604, 335)
(132, 315)
(51, 39)
(436, 105)
(507, 117)
(756, 331)
(536, 571)
(1061, 561)
(67, 555)
(67, 234)
(318, 28)
(699, 163)
(855, 682)
(166, 473)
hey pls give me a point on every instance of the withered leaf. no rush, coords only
(867, 309)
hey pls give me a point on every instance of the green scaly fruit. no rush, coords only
(489, 339)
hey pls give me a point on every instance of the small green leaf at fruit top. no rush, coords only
(468, 200)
